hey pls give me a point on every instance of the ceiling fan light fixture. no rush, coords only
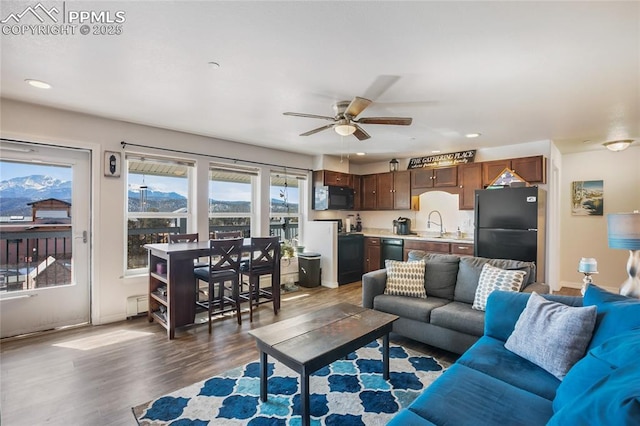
(38, 83)
(619, 145)
(345, 129)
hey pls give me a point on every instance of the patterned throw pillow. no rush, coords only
(491, 279)
(405, 278)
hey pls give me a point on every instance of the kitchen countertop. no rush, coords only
(420, 236)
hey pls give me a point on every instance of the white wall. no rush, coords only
(110, 288)
(586, 236)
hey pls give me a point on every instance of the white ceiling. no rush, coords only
(516, 72)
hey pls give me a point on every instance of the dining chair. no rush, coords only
(183, 238)
(224, 266)
(264, 259)
(191, 238)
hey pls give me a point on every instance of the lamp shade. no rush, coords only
(345, 129)
(624, 230)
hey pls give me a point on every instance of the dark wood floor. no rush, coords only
(94, 375)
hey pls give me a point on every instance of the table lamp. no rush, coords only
(624, 233)
(588, 266)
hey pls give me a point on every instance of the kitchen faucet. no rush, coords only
(429, 221)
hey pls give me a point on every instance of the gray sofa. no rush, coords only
(445, 318)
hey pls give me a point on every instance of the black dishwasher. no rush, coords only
(392, 249)
(350, 257)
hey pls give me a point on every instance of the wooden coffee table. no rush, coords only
(309, 342)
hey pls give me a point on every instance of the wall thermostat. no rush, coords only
(112, 164)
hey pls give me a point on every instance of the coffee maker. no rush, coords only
(402, 226)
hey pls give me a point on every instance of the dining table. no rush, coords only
(173, 289)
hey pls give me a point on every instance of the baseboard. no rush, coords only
(109, 318)
(330, 284)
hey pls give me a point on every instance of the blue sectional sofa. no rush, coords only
(490, 385)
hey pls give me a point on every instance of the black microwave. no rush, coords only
(332, 198)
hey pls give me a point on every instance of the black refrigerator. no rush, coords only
(510, 224)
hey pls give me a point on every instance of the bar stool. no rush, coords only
(183, 238)
(264, 259)
(224, 266)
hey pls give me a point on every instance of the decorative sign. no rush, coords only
(440, 160)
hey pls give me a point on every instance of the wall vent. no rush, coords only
(137, 305)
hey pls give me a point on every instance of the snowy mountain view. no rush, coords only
(16, 193)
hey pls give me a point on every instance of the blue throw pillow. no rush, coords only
(616, 313)
(613, 400)
(601, 361)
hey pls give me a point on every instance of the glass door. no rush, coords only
(44, 237)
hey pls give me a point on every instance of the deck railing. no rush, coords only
(34, 258)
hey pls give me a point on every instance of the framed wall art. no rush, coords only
(587, 198)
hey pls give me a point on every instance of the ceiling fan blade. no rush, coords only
(398, 121)
(356, 106)
(381, 84)
(319, 129)
(299, 114)
(360, 133)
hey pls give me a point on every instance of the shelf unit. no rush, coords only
(179, 302)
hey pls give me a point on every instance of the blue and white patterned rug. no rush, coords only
(347, 392)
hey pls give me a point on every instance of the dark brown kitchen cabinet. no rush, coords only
(369, 192)
(331, 178)
(384, 193)
(469, 179)
(531, 169)
(356, 181)
(491, 170)
(427, 246)
(433, 178)
(462, 249)
(394, 191)
(371, 254)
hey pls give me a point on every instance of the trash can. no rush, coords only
(309, 269)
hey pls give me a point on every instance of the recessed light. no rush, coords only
(37, 83)
(472, 135)
(214, 65)
(360, 153)
(436, 151)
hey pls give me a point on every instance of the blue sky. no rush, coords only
(9, 170)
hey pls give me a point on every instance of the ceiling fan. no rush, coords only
(344, 122)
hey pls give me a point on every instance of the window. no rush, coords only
(35, 242)
(231, 195)
(285, 192)
(158, 204)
